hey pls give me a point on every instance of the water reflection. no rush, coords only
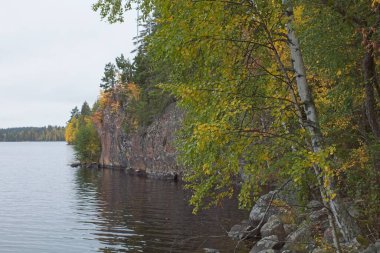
(132, 214)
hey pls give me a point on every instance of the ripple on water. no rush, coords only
(47, 206)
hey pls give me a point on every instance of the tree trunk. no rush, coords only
(339, 213)
(370, 82)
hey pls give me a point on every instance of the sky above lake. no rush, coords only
(52, 57)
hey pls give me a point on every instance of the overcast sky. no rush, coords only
(52, 56)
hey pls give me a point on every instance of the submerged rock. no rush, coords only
(75, 165)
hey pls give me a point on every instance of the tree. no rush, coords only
(81, 133)
(87, 145)
(85, 110)
(346, 224)
(49, 133)
(71, 131)
(109, 78)
(74, 113)
(125, 69)
(365, 17)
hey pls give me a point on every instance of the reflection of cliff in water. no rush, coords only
(137, 214)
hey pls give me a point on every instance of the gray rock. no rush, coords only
(373, 248)
(269, 251)
(328, 235)
(318, 250)
(353, 211)
(208, 250)
(236, 231)
(314, 205)
(273, 226)
(300, 240)
(258, 211)
(243, 230)
(320, 220)
(267, 243)
(319, 216)
(289, 228)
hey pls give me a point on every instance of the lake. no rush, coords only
(47, 206)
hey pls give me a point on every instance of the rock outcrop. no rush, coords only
(277, 223)
(109, 120)
(152, 149)
(142, 150)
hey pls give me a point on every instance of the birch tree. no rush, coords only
(342, 218)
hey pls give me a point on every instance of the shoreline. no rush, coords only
(168, 176)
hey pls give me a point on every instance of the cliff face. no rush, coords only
(147, 150)
(108, 123)
(152, 149)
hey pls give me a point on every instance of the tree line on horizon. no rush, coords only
(18, 134)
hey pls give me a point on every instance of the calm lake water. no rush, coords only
(47, 206)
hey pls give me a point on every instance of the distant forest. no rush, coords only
(49, 133)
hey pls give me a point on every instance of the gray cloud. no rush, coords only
(52, 55)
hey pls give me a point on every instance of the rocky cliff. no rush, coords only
(151, 149)
(109, 121)
(144, 150)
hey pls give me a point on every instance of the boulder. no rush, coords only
(314, 205)
(269, 251)
(319, 220)
(318, 250)
(209, 250)
(319, 216)
(373, 248)
(75, 165)
(243, 230)
(353, 211)
(300, 240)
(289, 228)
(259, 211)
(273, 226)
(267, 243)
(328, 235)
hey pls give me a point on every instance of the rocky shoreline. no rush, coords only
(170, 175)
(278, 223)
